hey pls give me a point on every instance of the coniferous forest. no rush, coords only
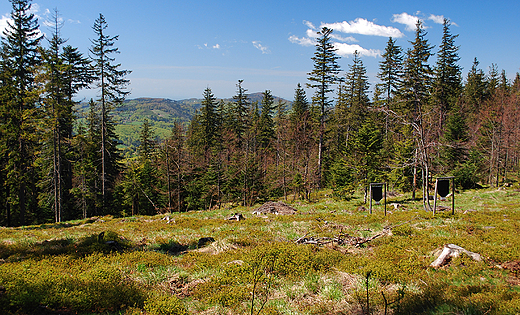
(422, 120)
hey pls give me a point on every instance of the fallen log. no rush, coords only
(451, 251)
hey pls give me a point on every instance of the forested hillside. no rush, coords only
(422, 120)
(161, 114)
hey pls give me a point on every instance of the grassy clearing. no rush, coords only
(153, 265)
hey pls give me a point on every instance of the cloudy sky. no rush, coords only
(176, 49)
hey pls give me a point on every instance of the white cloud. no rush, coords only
(309, 25)
(349, 50)
(311, 33)
(263, 49)
(439, 19)
(359, 26)
(343, 39)
(206, 46)
(364, 27)
(304, 41)
(410, 21)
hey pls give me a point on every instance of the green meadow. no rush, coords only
(158, 265)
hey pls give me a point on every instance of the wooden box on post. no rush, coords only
(377, 192)
(442, 187)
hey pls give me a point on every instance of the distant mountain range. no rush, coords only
(161, 113)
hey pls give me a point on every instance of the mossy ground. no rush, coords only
(255, 267)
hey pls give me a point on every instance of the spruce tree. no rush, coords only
(475, 90)
(146, 142)
(324, 75)
(238, 113)
(174, 152)
(415, 93)
(300, 105)
(281, 152)
(417, 75)
(111, 83)
(86, 166)
(356, 85)
(140, 182)
(351, 107)
(447, 82)
(492, 79)
(352, 110)
(390, 71)
(205, 147)
(455, 136)
(19, 61)
(341, 122)
(301, 141)
(385, 94)
(364, 156)
(267, 128)
(56, 113)
(208, 122)
(64, 73)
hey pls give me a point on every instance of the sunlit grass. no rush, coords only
(157, 263)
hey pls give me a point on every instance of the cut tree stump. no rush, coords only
(236, 217)
(451, 251)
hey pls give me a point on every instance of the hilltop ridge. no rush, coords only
(161, 113)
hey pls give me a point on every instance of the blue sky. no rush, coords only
(176, 49)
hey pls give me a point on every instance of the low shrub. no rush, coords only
(261, 266)
(165, 305)
(88, 284)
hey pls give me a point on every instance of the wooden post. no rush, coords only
(385, 197)
(435, 197)
(453, 196)
(370, 197)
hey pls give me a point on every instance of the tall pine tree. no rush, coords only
(356, 85)
(20, 59)
(267, 130)
(447, 85)
(65, 72)
(415, 93)
(324, 75)
(111, 83)
(390, 71)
